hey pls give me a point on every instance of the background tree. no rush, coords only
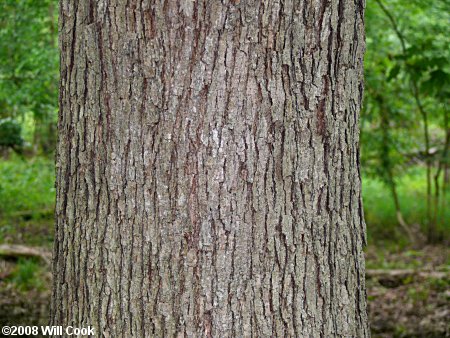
(208, 169)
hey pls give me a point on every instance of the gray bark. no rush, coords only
(208, 169)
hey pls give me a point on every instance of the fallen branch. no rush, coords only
(396, 277)
(15, 251)
(404, 273)
(30, 213)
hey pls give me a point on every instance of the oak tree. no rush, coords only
(208, 169)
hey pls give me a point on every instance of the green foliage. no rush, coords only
(389, 69)
(440, 284)
(27, 275)
(26, 185)
(418, 294)
(405, 115)
(36, 231)
(10, 133)
(27, 196)
(29, 62)
(379, 207)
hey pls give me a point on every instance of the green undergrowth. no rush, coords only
(26, 186)
(28, 275)
(27, 198)
(380, 214)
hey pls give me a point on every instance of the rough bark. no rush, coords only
(208, 169)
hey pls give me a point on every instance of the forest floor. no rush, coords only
(408, 292)
(408, 289)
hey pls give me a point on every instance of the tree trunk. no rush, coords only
(208, 169)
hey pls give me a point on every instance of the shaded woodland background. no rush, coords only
(405, 137)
